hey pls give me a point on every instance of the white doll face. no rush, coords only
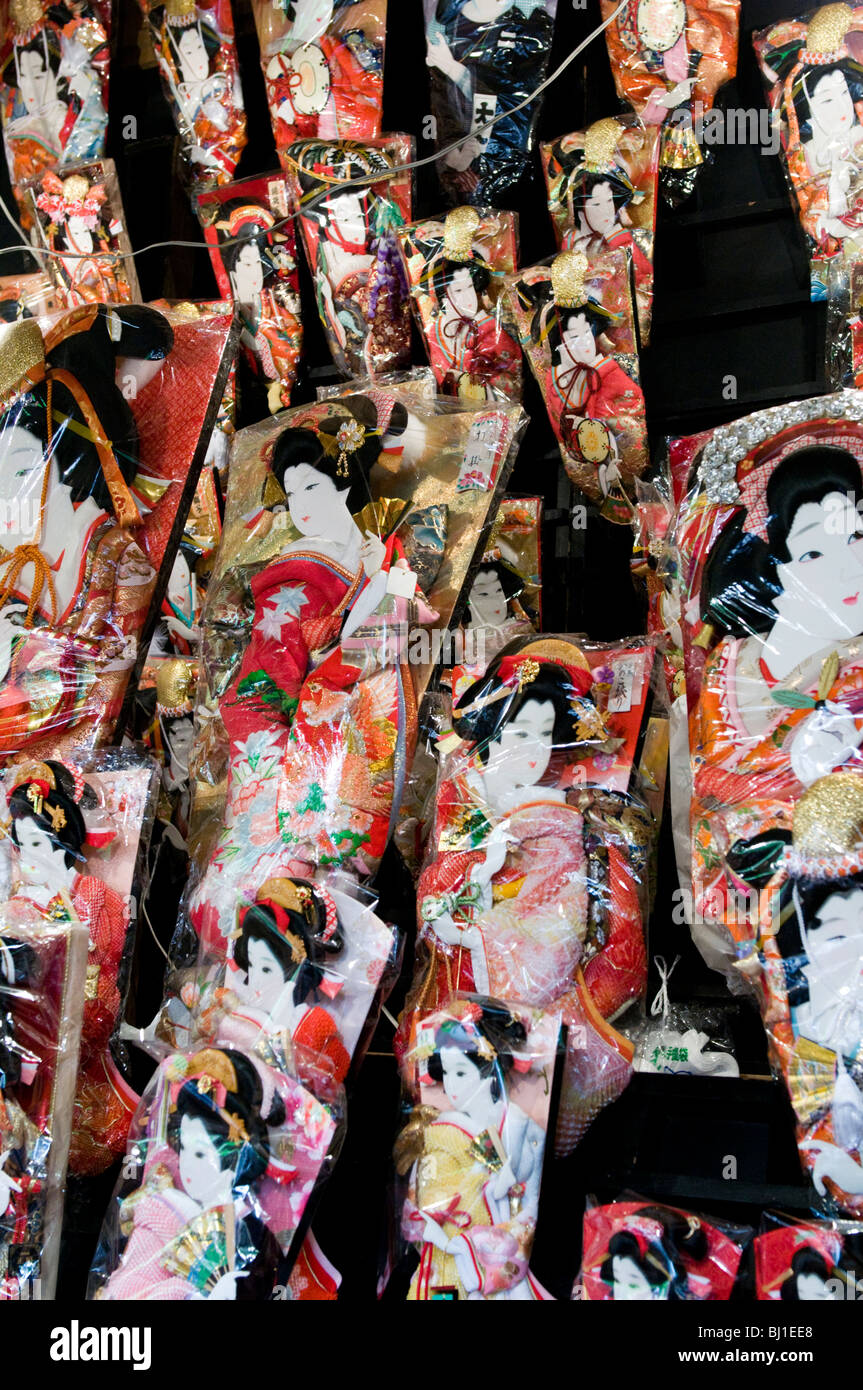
(830, 103)
(22, 466)
(631, 1285)
(38, 85)
(193, 55)
(248, 274)
(348, 216)
(520, 755)
(600, 213)
(201, 1174)
(579, 345)
(180, 585)
(264, 984)
(462, 1081)
(823, 581)
(41, 863)
(487, 600)
(462, 295)
(79, 234)
(834, 942)
(315, 507)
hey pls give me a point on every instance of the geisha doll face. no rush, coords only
(578, 346)
(38, 85)
(519, 757)
(834, 946)
(347, 216)
(248, 274)
(811, 1288)
(21, 472)
(631, 1285)
(599, 211)
(831, 105)
(660, 23)
(79, 234)
(462, 1082)
(41, 860)
(201, 1173)
(487, 601)
(822, 582)
(462, 295)
(194, 59)
(265, 985)
(316, 508)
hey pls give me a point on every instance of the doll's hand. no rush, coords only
(439, 56)
(446, 930)
(372, 554)
(495, 858)
(226, 1288)
(434, 1235)
(458, 1246)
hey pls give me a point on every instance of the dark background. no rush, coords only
(731, 298)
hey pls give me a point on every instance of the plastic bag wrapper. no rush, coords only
(669, 61)
(534, 887)
(79, 832)
(505, 596)
(316, 652)
(303, 959)
(27, 296)
(418, 382)
(677, 1039)
(197, 57)
(323, 63)
(226, 1149)
(771, 576)
(654, 564)
(482, 70)
(456, 270)
(80, 212)
(352, 248)
(577, 329)
(637, 1251)
(472, 1151)
(259, 272)
(811, 954)
(42, 973)
(90, 524)
(843, 277)
(807, 1261)
(820, 128)
(54, 91)
(602, 197)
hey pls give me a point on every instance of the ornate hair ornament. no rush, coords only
(26, 15)
(181, 14)
(568, 271)
(825, 35)
(521, 668)
(249, 215)
(74, 196)
(600, 145)
(828, 829)
(212, 1074)
(175, 687)
(731, 445)
(350, 436)
(283, 895)
(459, 230)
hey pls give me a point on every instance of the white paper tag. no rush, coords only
(401, 582)
(278, 197)
(448, 742)
(482, 453)
(484, 110)
(623, 691)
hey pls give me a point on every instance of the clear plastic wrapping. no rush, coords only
(350, 529)
(486, 58)
(637, 1251)
(577, 328)
(535, 882)
(323, 63)
(813, 69)
(456, 269)
(259, 272)
(77, 834)
(42, 974)
(223, 1155)
(669, 58)
(87, 524)
(197, 56)
(471, 1153)
(807, 1261)
(54, 94)
(602, 197)
(352, 249)
(81, 212)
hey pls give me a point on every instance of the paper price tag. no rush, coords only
(482, 453)
(448, 742)
(623, 692)
(277, 194)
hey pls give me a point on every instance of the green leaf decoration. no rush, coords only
(794, 699)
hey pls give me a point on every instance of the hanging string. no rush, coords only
(661, 1004)
(359, 181)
